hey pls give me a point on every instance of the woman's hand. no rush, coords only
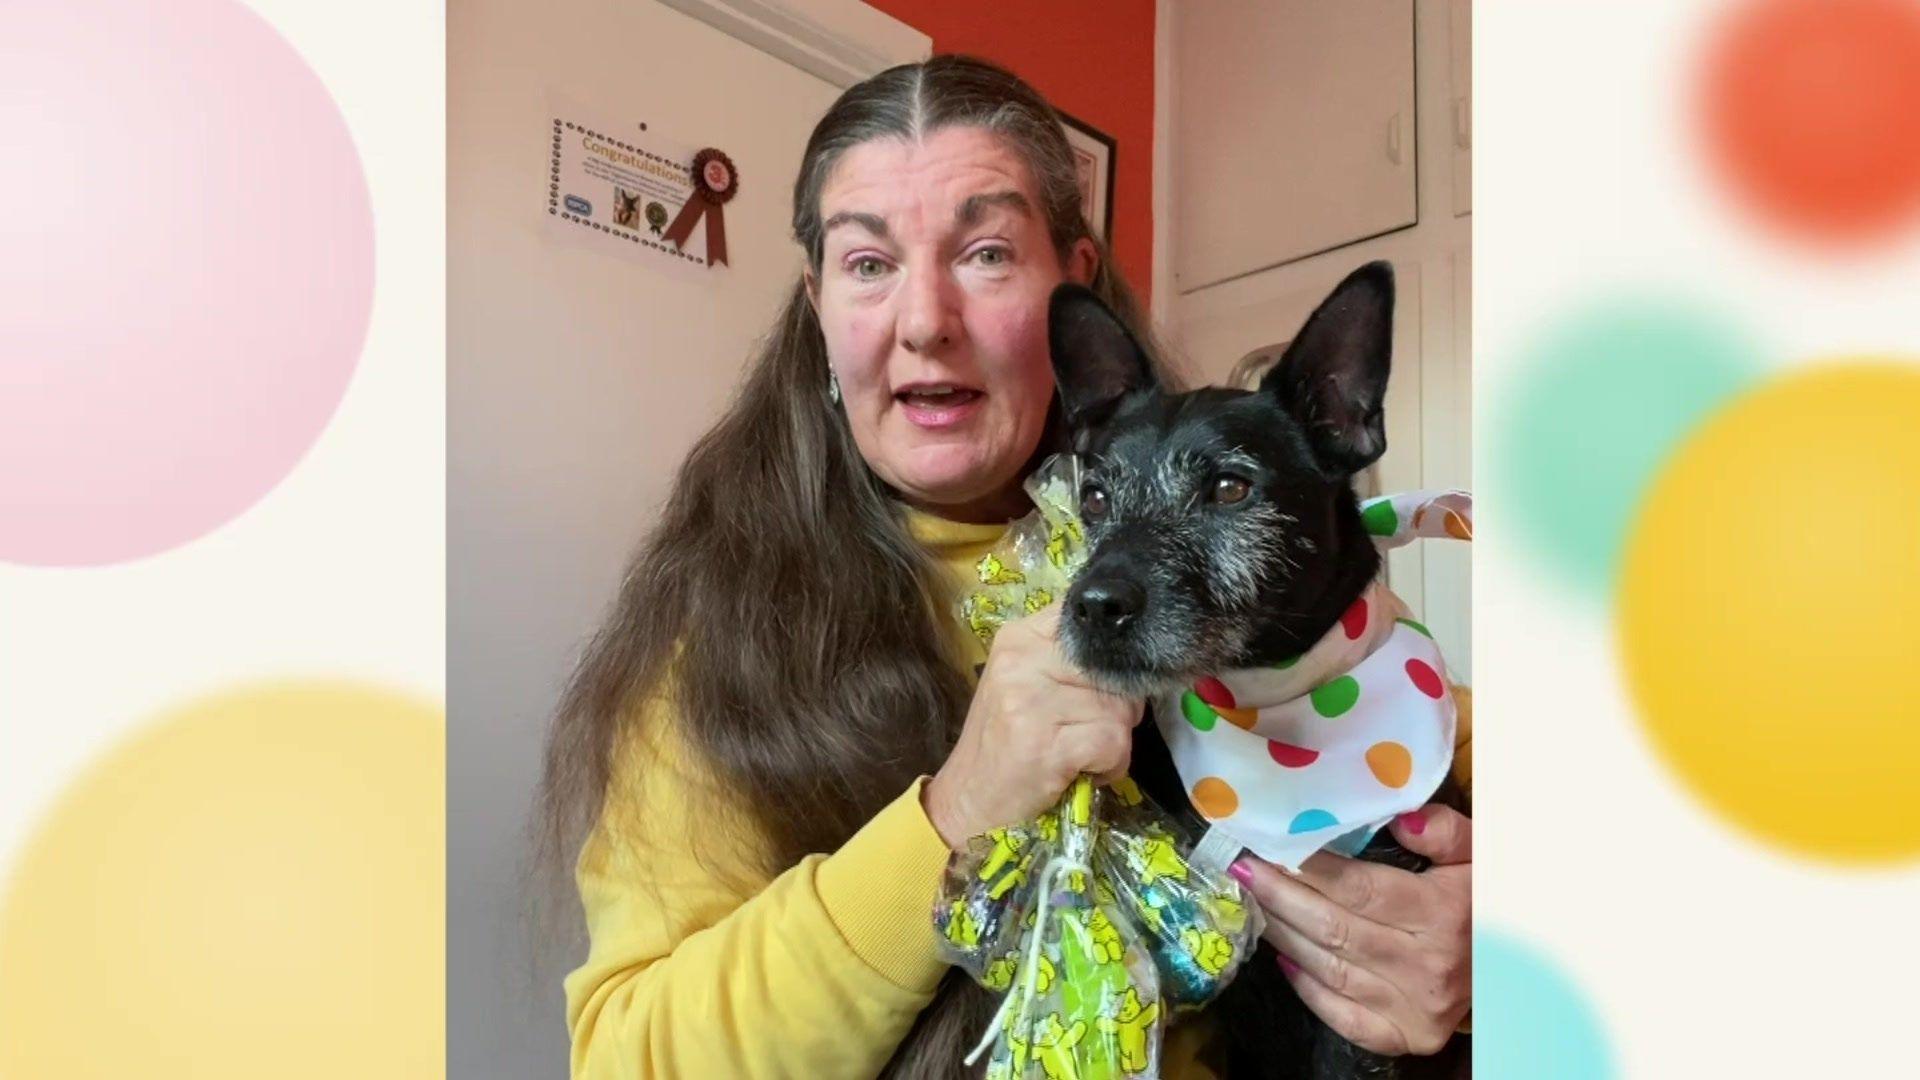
(1034, 725)
(1383, 956)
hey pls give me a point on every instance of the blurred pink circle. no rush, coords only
(186, 272)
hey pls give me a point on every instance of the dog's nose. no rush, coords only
(1108, 605)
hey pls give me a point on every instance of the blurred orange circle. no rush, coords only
(1808, 108)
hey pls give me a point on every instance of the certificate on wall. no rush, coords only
(622, 187)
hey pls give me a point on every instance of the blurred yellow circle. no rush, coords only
(253, 886)
(1770, 612)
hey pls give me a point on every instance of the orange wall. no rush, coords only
(1091, 58)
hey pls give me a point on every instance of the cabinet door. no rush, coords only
(1460, 99)
(1294, 130)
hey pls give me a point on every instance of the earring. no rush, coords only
(833, 386)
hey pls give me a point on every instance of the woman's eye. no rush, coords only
(1228, 490)
(1093, 503)
(868, 268)
(991, 256)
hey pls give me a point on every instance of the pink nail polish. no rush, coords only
(1241, 873)
(1414, 822)
(1288, 967)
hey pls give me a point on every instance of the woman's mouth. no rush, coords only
(935, 405)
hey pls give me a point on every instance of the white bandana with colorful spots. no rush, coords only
(1324, 749)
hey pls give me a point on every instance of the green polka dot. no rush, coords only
(1415, 625)
(1336, 697)
(1199, 714)
(1380, 519)
(1595, 407)
(1287, 663)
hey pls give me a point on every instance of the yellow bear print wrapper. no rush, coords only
(1090, 918)
(1033, 565)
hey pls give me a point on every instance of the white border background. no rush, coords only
(339, 572)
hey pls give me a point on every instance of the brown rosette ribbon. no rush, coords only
(714, 182)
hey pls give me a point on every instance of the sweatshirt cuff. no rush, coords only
(879, 890)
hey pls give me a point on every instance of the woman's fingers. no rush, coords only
(1416, 977)
(1355, 1023)
(1102, 748)
(1365, 1009)
(1439, 832)
(1340, 947)
(1335, 971)
(1033, 725)
(1385, 894)
(1333, 927)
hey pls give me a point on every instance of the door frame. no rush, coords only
(841, 41)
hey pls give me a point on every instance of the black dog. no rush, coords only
(1224, 533)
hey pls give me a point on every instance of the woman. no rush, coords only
(776, 741)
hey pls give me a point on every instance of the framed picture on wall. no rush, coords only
(1093, 152)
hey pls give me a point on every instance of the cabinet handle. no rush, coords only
(1462, 124)
(1393, 138)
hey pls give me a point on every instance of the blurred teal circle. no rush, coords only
(1529, 1019)
(1595, 408)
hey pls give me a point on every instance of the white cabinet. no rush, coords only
(1294, 130)
(1283, 180)
(1460, 102)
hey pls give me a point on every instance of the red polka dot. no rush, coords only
(1215, 693)
(1354, 622)
(1291, 756)
(1425, 678)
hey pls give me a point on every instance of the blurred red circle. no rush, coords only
(1811, 110)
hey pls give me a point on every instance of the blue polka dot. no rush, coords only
(1529, 1019)
(1309, 820)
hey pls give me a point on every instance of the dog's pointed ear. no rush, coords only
(1096, 361)
(1333, 378)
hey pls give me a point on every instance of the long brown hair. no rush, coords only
(823, 693)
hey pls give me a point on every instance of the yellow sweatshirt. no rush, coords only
(700, 968)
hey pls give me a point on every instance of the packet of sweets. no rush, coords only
(1090, 918)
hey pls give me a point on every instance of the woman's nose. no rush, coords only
(929, 320)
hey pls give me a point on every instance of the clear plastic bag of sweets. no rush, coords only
(1090, 919)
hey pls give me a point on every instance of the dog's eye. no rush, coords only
(1093, 503)
(1228, 490)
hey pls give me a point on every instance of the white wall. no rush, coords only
(1429, 400)
(578, 378)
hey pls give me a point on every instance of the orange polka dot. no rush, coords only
(1240, 718)
(1419, 516)
(1215, 798)
(1458, 527)
(1392, 765)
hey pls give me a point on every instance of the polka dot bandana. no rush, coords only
(1326, 747)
